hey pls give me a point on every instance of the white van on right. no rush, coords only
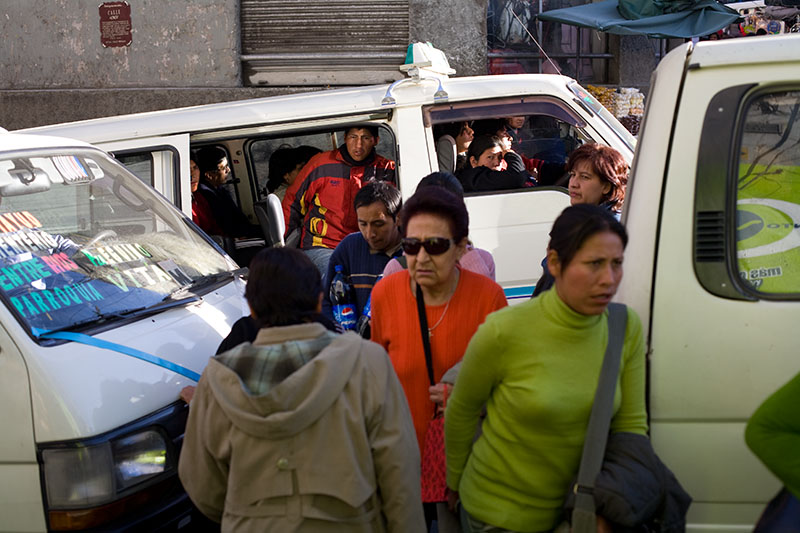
(713, 262)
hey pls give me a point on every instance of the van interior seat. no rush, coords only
(446, 153)
(226, 243)
(270, 216)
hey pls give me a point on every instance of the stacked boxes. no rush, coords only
(625, 103)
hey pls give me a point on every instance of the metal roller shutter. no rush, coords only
(323, 42)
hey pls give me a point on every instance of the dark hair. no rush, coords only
(480, 145)
(283, 287)
(442, 179)
(609, 165)
(372, 129)
(281, 162)
(379, 191)
(576, 224)
(440, 202)
(305, 152)
(453, 129)
(284, 160)
(488, 126)
(208, 159)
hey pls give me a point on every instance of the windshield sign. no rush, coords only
(83, 242)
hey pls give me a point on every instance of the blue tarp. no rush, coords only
(702, 18)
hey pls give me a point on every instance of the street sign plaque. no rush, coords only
(115, 24)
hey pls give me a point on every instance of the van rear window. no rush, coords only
(768, 195)
(84, 243)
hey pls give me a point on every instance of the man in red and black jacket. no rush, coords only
(320, 201)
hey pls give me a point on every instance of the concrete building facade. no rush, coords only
(58, 64)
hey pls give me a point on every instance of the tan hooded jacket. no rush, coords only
(330, 447)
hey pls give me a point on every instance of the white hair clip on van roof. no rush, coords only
(422, 57)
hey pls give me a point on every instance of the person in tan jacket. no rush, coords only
(304, 429)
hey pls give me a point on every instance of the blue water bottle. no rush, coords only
(344, 311)
(363, 326)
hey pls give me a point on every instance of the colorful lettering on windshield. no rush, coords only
(18, 220)
(59, 262)
(25, 240)
(142, 276)
(23, 272)
(43, 275)
(116, 254)
(47, 300)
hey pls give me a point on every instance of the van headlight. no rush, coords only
(79, 475)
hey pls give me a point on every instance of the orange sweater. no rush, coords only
(395, 326)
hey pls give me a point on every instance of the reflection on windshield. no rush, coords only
(83, 241)
(586, 99)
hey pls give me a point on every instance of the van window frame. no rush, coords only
(176, 169)
(566, 114)
(330, 128)
(747, 287)
(279, 127)
(541, 188)
(715, 197)
(429, 110)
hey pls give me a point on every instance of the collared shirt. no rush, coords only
(394, 251)
(277, 358)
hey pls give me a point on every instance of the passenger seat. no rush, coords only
(270, 216)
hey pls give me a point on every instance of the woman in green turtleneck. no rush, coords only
(773, 434)
(535, 366)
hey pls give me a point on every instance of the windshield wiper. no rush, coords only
(203, 282)
(173, 299)
(99, 318)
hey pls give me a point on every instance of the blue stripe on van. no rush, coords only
(514, 293)
(121, 348)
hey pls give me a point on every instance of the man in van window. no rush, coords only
(214, 173)
(514, 127)
(320, 201)
(364, 254)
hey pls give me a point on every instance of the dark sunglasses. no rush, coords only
(432, 245)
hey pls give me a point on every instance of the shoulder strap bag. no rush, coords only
(434, 483)
(584, 519)
(620, 476)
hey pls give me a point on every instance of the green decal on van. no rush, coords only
(768, 232)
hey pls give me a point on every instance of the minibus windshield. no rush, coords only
(83, 242)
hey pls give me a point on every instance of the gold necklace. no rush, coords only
(446, 307)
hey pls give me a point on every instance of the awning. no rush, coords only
(703, 17)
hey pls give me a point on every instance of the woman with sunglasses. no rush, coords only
(475, 259)
(434, 224)
(538, 385)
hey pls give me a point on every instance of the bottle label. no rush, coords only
(345, 315)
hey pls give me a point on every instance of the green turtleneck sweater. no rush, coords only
(773, 434)
(535, 366)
